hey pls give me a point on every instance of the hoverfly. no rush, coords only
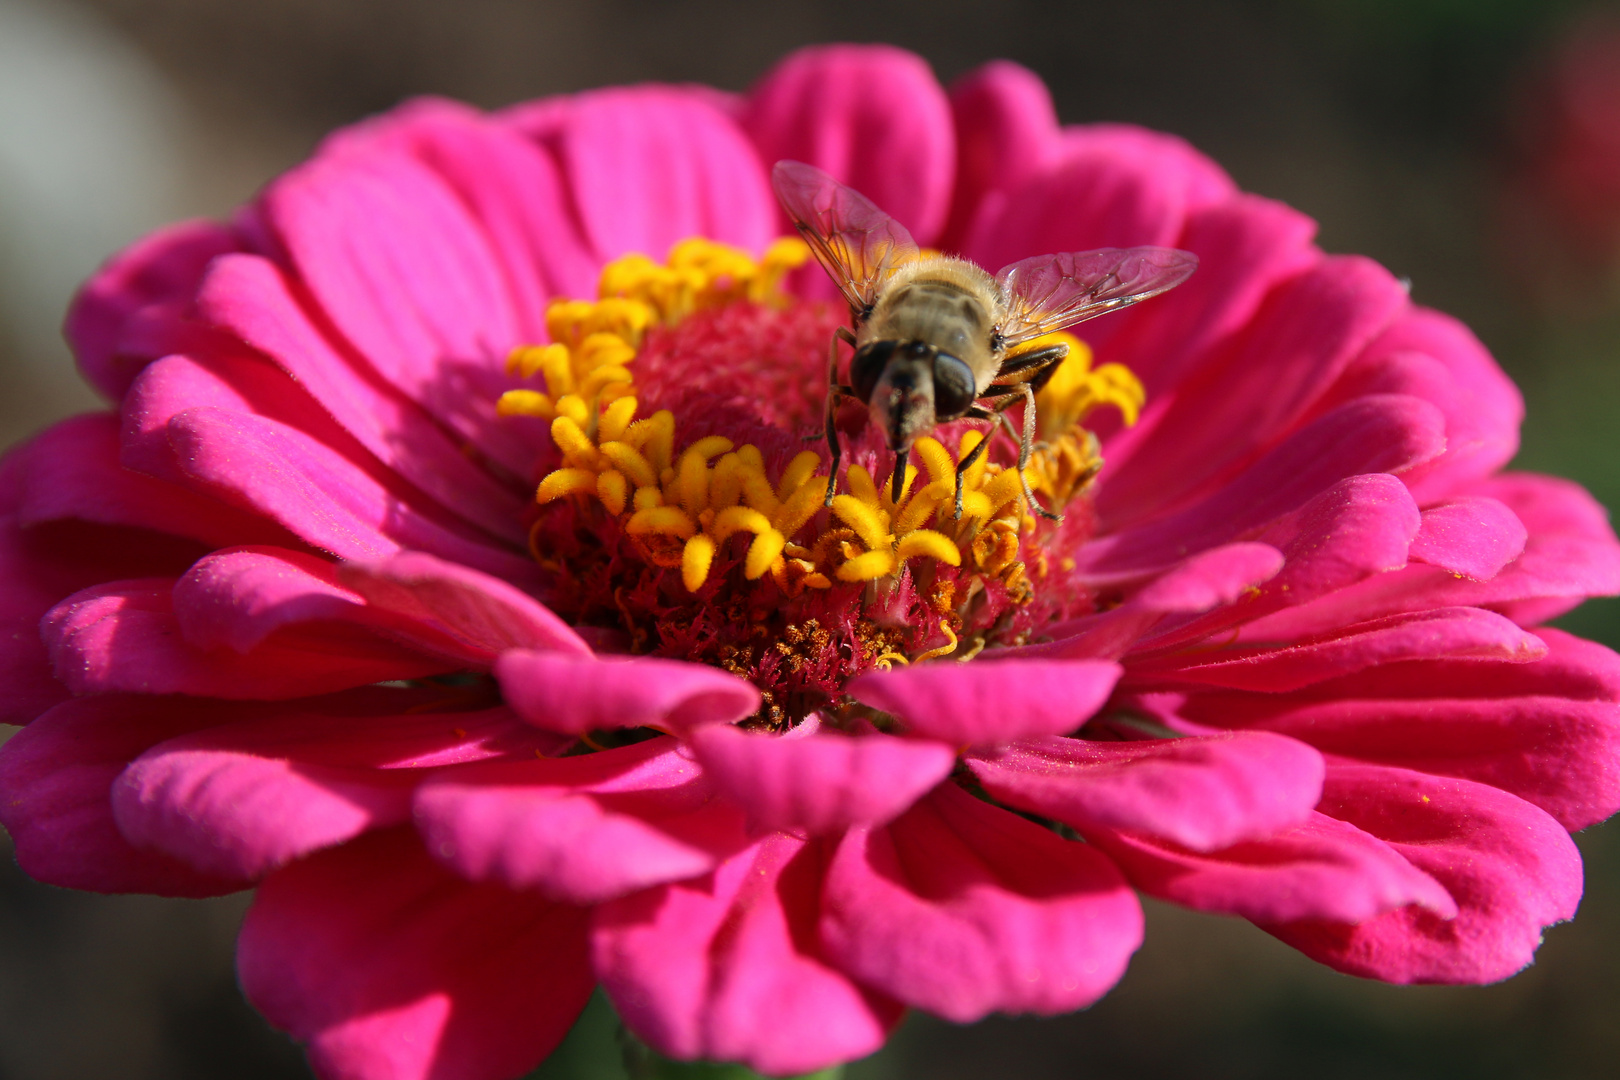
(934, 335)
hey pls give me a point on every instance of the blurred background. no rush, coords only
(1472, 146)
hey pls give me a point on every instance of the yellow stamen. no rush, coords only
(869, 566)
(667, 520)
(524, 403)
(566, 482)
(945, 649)
(869, 522)
(933, 545)
(695, 560)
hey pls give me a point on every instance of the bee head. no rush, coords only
(896, 380)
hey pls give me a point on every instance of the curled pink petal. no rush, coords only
(243, 798)
(57, 774)
(1322, 869)
(1533, 730)
(582, 829)
(1005, 130)
(992, 701)
(574, 694)
(873, 117)
(484, 612)
(161, 269)
(1203, 793)
(1511, 869)
(124, 636)
(72, 471)
(1444, 633)
(964, 909)
(254, 300)
(820, 783)
(726, 967)
(389, 968)
(650, 166)
(1473, 537)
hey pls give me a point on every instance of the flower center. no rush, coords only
(683, 514)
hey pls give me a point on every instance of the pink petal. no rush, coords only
(72, 471)
(1372, 435)
(56, 776)
(1571, 553)
(1471, 536)
(726, 967)
(649, 166)
(124, 636)
(582, 829)
(237, 598)
(163, 268)
(515, 192)
(1203, 793)
(870, 115)
(41, 565)
(1510, 867)
(1323, 869)
(573, 694)
(1005, 130)
(1176, 162)
(245, 798)
(1444, 633)
(322, 498)
(1209, 579)
(484, 612)
(255, 301)
(389, 968)
(214, 424)
(964, 909)
(1540, 731)
(1092, 195)
(393, 259)
(1483, 408)
(989, 701)
(227, 381)
(1246, 247)
(821, 783)
(1242, 404)
(1572, 668)
(1359, 528)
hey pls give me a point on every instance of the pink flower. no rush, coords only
(303, 624)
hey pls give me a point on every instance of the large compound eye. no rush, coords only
(953, 387)
(867, 367)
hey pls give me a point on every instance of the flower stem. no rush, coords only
(600, 1047)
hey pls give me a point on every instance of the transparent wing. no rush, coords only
(858, 244)
(1050, 292)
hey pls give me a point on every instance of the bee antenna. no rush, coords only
(897, 483)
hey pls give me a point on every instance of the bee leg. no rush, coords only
(1025, 448)
(897, 483)
(1046, 359)
(834, 392)
(967, 463)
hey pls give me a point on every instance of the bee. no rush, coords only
(937, 338)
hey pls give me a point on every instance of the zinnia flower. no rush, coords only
(453, 568)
